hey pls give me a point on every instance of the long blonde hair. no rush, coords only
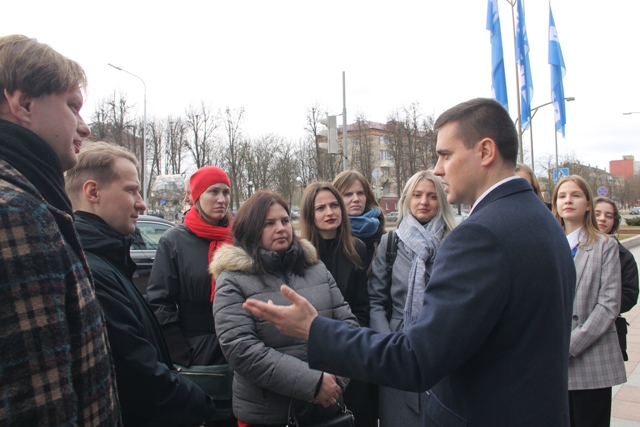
(444, 208)
(590, 221)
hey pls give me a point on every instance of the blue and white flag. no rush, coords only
(524, 70)
(558, 71)
(498, 80)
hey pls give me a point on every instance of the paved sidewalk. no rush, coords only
(625, 410)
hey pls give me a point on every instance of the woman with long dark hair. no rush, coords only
(609, 218)
(325, 223)
(272, 376)
(595, 360)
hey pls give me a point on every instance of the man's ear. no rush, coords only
(488, 151)
(18, 107)
(91, 191)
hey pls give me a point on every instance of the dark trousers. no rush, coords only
(362, 399)
(590, 408)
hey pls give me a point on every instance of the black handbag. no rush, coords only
(216, 381)
(342, 418)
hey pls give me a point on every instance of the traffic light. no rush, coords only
(331, 133)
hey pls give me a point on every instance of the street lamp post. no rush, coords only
(144, 135)
(534, 110)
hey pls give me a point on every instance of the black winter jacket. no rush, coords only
(179, 293)
(351, 282)
(151, 392)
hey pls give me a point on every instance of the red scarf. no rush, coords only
(218, 236)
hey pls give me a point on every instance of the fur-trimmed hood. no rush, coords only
(233, 258)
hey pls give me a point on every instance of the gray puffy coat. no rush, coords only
(270, 368)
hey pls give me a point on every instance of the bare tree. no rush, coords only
(397, 148)
(261, 159)
(235, 150)
(100, 120)
(201, 123)
(427, 144)
(285, 170)
(324, 163)
(364, 151)
(305, 159)
(175, 144)
(155, 139)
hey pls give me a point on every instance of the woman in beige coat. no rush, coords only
(595, 361)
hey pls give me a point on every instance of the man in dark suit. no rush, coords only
(491, 345)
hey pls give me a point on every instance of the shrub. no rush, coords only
(633, 221)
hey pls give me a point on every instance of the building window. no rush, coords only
(355, 141)
(384, 140)
(386, 206)
(385, 155)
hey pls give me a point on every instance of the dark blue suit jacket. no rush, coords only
(492, 341)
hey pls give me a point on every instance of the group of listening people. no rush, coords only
(341, 225)
(507, 319)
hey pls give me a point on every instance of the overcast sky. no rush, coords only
(275, 58)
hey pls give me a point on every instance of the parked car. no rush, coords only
(634, 211)
(157, 213)
(295, 214)
(391, 217)
(149, 229)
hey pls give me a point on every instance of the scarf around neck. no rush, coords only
(422, 242)
(36, 161)
(365, 225)
(216, 235)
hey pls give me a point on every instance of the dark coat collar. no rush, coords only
(504, 190)
(98, 238)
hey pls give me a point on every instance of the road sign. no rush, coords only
(560, 173)
(377, 174)
(603, 191)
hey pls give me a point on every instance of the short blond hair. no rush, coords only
(95, 162)
(36, 68)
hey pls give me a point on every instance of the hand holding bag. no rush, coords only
(342, 418)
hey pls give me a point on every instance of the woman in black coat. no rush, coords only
(181, 289)
(609, 218)
(324, 222)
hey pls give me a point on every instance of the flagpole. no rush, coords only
(533, 166)
(515, 55)
(555, 133)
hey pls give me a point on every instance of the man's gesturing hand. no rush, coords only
(293, 320)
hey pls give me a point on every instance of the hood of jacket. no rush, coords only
(234, 258)
(98, 238)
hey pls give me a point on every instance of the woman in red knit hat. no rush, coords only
(180, 289)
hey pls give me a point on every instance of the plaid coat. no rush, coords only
(595, 360)
(55, 364)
